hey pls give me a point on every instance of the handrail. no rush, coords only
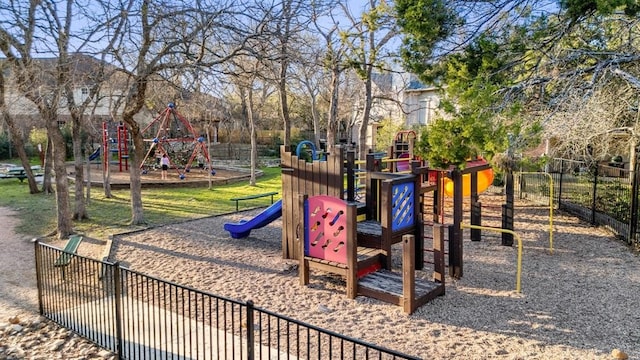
(519, 261)
(550, 206)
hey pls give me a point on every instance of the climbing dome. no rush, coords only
(171, 134)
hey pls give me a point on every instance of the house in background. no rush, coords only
(420, 103)
(108, 103)
(404, 100)
(83, 67)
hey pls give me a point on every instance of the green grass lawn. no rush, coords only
(112, 215)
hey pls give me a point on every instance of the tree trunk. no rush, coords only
(316, 121)
(137, 210)
(88, 188)
(22, 154)
(47, 187)
(17, 139)
(135, 102)
(332, 124)
(364, 125)
(254, 141)
(64, 223)
(284, 106)
(106, 171)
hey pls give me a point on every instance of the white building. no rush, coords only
(402, 99)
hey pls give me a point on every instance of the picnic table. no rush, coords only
(18, 172)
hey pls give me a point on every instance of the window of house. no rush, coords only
(423, 112)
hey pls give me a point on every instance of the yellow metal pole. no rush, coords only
(550, 206)
(516, 236)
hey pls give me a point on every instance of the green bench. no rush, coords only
(256, 196)
(69, 251)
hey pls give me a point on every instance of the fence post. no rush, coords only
(560, 188)
(117, 284)
(250, 336)
(38, 253)
(593, 200)
(633, 220)
(560, 182)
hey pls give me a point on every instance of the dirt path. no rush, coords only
(18, 292)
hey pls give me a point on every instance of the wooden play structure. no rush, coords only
(358, 243)
(457, 178)
(322, 231)
(401, 149)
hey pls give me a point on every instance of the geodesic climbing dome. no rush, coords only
(171, 134)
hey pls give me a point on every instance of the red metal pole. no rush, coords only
(119, 148)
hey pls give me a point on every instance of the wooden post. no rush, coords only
(351, 185)
(507, 210)
(438, 253)
(352, 253)
(408, 273)
(438, 197)
(455, 238)
(303, 266)
(476, 210)
(419, 216)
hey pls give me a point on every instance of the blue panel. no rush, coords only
(402, 206)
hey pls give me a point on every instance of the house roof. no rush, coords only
(417, 86)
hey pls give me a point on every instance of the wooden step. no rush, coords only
(386, 286)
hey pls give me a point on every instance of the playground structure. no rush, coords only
(174, 137)
(331, 244)
(325, 228)
(402, 148)
(326, 235)
(117, 145)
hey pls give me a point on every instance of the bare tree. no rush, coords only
(19, 143)
(289, 23)
(170, 36)
(310, 82)
(334, 63)
(42, 87)
(366, 42)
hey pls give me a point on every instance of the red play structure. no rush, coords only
(174, 136)
(403, 149)
(117, 145)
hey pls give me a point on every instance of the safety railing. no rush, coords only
(137, 316)
(516, 236)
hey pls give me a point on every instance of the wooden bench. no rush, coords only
(69, 251)
(255, 196)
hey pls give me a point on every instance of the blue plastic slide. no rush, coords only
(243, 228)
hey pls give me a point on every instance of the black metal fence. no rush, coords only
(141, 317)
(603, 195)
